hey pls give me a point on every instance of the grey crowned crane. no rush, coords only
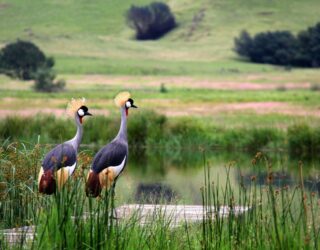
(61, 161)
(110, 161)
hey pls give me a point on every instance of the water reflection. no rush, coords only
(154, 193)
(177, 177)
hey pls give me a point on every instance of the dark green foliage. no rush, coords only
(22, 59)
(243, 44)
(44, 81)
(163, 88)
(304, 141)
(252, 140)
(281, 47)
(152, 21)
(309, 44)
(188, 133)
(277, 47)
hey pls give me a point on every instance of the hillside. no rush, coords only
(92, 37)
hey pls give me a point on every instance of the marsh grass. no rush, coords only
(285, 217)
(281, 217)
(149, 129)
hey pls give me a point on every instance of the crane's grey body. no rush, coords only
(65, 154)
(109, 162)
(114, 154)
(60, 162)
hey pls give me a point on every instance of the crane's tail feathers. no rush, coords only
(93, 187)
(47, 183)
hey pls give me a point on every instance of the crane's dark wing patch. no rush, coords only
(112, 154)
(61, 156)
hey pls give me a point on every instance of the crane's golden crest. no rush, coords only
(74, 105)
(121, 98)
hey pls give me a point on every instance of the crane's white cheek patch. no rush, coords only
(80, 112)
(128, 104)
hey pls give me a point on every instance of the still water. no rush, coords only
(178, 176)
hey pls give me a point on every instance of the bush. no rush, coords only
(252, 140)
(277, 47)
(243, 44)
(304, 141)
(44, 81)
(152, 21)
(281, 47)
(309, 44)
(22, 59)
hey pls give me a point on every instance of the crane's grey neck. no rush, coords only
(76, 140)
(122, 134)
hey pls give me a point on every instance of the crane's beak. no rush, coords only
(87, 113)
(134, 106)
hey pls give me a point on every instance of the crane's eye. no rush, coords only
(128, 104)
(80, 112)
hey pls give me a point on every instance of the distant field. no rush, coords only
(222, 103)
(97, 56)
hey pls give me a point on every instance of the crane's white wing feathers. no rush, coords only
(117, 169)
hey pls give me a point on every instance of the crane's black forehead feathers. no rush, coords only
(84, 108)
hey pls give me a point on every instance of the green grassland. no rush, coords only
(92, 37)
(96, 53)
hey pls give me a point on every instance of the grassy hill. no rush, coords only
(92, 36)
(97, 55)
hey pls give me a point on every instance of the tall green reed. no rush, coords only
(279, 216)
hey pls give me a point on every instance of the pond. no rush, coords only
(176, 177)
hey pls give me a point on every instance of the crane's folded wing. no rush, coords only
(63, 155)
(112, 154)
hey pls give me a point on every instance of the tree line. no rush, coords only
(281, 47)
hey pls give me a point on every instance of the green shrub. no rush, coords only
(281, 47)
(152, 21)
(303, 141)
(22, 59)
(309, 44)
(252, 140)
(44, 81)
(149, 130)
(278, 47)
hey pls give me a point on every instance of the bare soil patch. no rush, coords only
(40, 111)
(187, 82)
(175, 108)
(259, 108)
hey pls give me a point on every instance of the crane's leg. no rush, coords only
(113, 209)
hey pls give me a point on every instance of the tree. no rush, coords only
(277, 47)
(22, 59)
(243, 43)
(152, 21)
(44, 81)
(309, 44)
(281, 47)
